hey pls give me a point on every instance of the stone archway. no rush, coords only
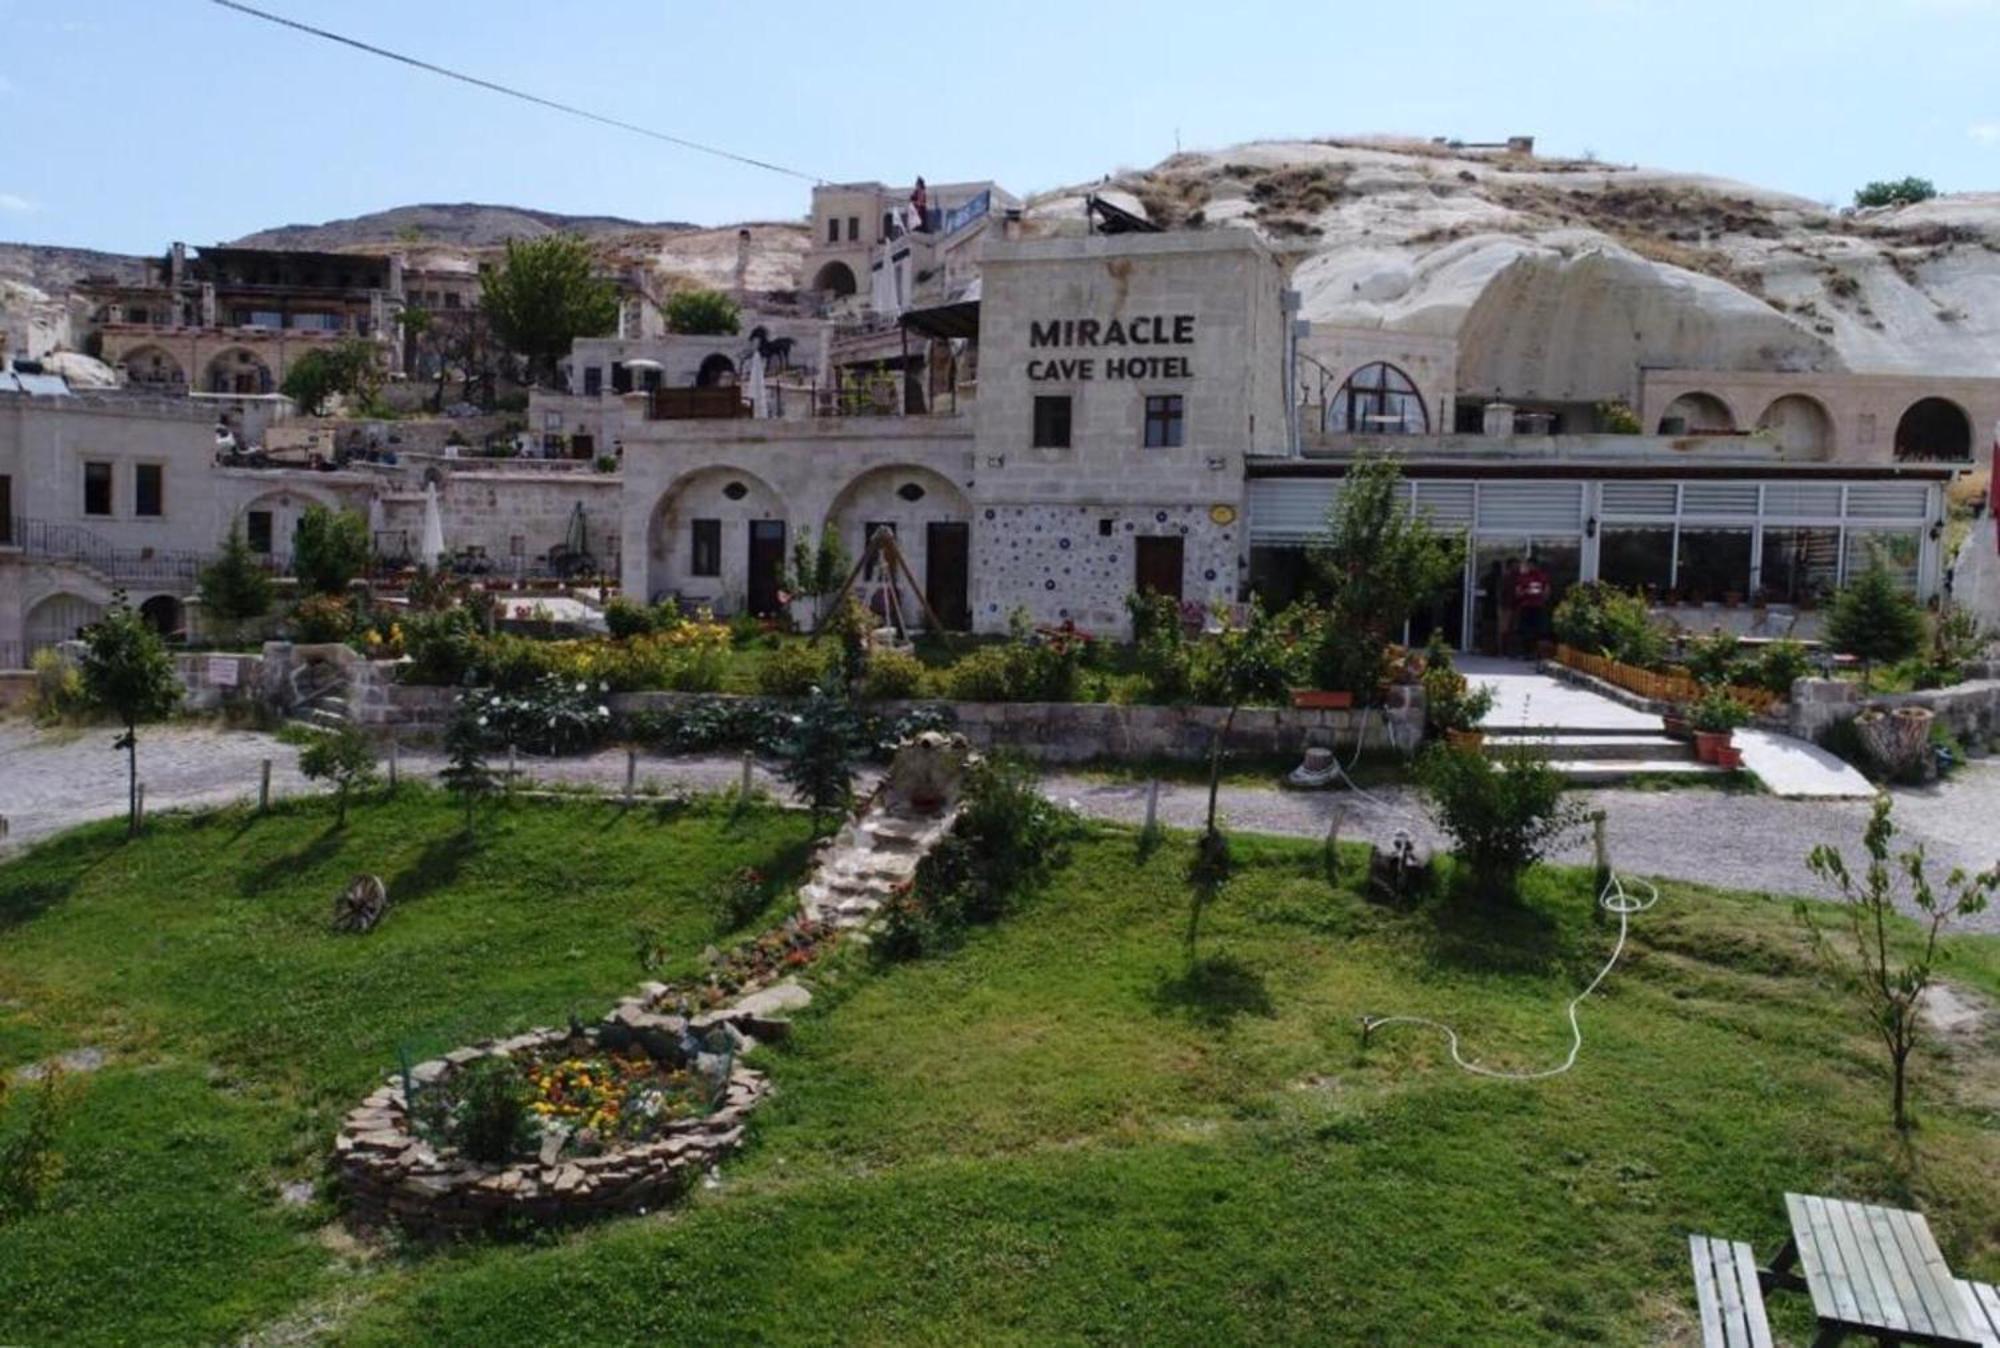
(1697, 413)
(931, 518)
(151, 367)
(162, 613)
(238, 370)
(717, 371)
(711, 538)
(1801, 426)
(1934, 430)
(56, 618)
(836, 279)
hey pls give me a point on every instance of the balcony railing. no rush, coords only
(72, 543)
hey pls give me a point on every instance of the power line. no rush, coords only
(525, 97)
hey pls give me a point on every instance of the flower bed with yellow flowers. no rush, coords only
(597, 1101)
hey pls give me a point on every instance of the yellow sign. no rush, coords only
(1222, 514)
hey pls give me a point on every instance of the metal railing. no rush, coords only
(73, 543)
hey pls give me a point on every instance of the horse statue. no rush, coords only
(776, 351)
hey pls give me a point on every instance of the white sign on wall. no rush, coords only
(222, 671)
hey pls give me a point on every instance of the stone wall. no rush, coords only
(1048, 732)
(1970, 710)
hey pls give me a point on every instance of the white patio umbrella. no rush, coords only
(376, 523)
(757, 393)
(433, 536)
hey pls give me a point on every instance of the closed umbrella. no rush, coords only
(377, 525)
(432, 551)
(757, 384)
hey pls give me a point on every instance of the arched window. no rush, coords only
(1378, 399)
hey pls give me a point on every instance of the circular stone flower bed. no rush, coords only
(562, 1124)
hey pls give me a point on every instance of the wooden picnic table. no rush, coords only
(1875, 1271)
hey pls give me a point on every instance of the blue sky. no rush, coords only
(129, 123)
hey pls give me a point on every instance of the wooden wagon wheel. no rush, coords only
(361, 905)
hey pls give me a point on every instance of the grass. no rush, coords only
(1060, 1132)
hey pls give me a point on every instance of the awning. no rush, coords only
(960, 319)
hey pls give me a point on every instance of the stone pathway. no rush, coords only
(1731, 840)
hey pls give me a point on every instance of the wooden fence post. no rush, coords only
(748, 762)
(264, 787)
(1152, 805)
(631, 774)
(395, 761)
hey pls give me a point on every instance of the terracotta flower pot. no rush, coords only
(1708, 742)
(1677, 727)
(1321, 699)
(1729, 756)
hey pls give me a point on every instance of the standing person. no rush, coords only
(1531, 603)
(1510, 612)
(1489, 609)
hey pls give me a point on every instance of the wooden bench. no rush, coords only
(1729, 1294)
(1986, 1298)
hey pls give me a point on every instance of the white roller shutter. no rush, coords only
(1887, 500)
(1531, 507)
(1449, 504)
(1719, 498)
(1629, 499)
(1289, 510)
(1802, 500)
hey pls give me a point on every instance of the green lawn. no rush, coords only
(1052, 1134)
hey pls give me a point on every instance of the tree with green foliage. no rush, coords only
(351, 367)
(818, 570)
(1501, 817)
(1897, 192)
(466, 740)
(128, 674)
(344, 757)
(819, 750)
(330, 549)
(703, 313)
(1376, 564)
(1891, 989)
(544, 295)
(235, 588)
(1875, 619)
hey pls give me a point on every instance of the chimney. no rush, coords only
(742, 263)
(178, 265)
(1010, 223)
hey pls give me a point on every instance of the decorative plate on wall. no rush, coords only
(1222, 514)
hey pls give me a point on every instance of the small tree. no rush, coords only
(1891, 992)
(1897, 192)
(818, 570)
(128, 674)
(330, 549)
(1875, 619)
(819, 755)
(1375, 564)
(706, 313)
(235, 587)
(344, 757)
(544, 295)
(466, 740)
(352, 366)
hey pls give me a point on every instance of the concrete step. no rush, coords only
(1571, 731)
(1590, 748)
(1604, 774)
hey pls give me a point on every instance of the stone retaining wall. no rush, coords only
(1049, 732)
(1971, 710)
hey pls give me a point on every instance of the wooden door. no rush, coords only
(767, 565)
(947, 569)
(1158, 565)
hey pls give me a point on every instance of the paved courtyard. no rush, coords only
(53, 781)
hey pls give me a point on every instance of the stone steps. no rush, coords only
(1591, 746)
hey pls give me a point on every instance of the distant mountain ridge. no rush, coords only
(462, 225)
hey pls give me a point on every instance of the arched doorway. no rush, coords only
(150, 367)
(836, 279)
(717, 371)
(931, 520)
(58, 618)
(162, 613)
(1697, 414)
(1934, 430)
(1800, 425)
(1378, 399)
(238, 370)
(717, 538)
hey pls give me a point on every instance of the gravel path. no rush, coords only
(53, 781)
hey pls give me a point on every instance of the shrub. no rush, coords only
(1605, 620)
(819, 750)
(892, 675)
(1781, 665)
(708, 313)
(443, 646)
(513, 664)
(1713, 658)
(1616, 417)
(625, 618)
(1875, 619)
(1956, 640)
(1896, 192)
(321, 618)
(491, 1122)
(851, 628)
(1450, 701)
(235, 587)
(58, 686)
(1241, 663)
(1716, 712)
(740, 897)
(794, 670)
(985, 675)
(1501, 817)
(556, 716)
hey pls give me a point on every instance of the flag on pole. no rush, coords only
(920, 202)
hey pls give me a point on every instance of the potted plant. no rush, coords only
(1675, 722)
(1715, 718)
(1452, 705)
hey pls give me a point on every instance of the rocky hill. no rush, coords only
(467, 225)
(1590, 268)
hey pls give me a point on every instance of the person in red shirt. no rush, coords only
(1531, 606)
